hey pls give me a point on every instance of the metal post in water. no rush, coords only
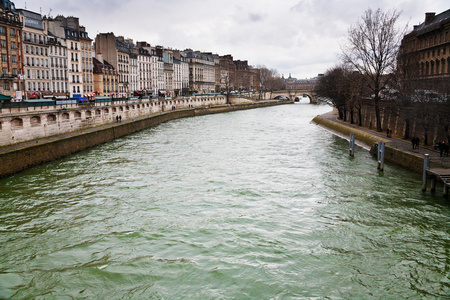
(426, 163)
(381, 149)
(352, 144)
(378, 151)
(433, 184)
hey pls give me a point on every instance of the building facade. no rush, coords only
(201, 72)
(58, 66)
(68, 36)
(11, 50)
(116, 52)
(134, 73)
(145, 73)
(425, 51)
(36, 56)
(106, 78)
(86, 62)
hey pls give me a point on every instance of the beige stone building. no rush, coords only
(58, 66)
(86, 62)
(36, 55)
(70, 34)
(106, 78)
(116, 52)
(201, 72)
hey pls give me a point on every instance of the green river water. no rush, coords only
(255, 204)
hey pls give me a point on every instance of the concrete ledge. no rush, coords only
(360, 135)
(23, 156)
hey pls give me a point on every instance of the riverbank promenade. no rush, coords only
(396, 144)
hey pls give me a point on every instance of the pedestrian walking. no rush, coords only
(387, 132)
(117, 119)
(441, 146)
(120, 118)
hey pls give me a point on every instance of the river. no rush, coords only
(255, 204)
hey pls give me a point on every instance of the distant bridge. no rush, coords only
(292, 94)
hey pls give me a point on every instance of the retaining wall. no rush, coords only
(411, 161)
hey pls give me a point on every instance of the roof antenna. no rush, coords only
(25, 5)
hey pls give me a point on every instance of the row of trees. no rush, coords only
(373, 72)
(270, 79)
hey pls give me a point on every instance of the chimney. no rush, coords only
(429, 16)
(99, 57)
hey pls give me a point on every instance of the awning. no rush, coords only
(4, 97)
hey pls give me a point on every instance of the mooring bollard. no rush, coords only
(426, 164)
(352, 144)
(381, 149)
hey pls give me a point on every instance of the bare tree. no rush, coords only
(356, 93)
(372, 47)
(270, 79)
(405, 82)
(334, 88)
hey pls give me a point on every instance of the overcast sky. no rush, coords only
(301, 37)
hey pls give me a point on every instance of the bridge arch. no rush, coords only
(292, 95)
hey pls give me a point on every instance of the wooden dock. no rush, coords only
(434, 174)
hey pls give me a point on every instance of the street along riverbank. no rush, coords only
(19, 157)
(398, 150)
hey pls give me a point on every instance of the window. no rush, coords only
(3, 44)
(2, 30)
(4, 58)
(14, 59)
(13, 46)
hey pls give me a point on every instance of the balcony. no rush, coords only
(8, 76)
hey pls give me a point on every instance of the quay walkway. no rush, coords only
(399, 151)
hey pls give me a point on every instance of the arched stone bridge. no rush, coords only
(292, 94)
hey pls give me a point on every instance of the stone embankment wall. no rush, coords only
(30, 123)
(411, 161)
(53, 148)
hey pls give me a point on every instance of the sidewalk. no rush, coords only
(395, 142)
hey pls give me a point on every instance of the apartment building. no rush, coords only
(425, 51)
(201, 72)
(134, 73)
(10, 50)
(36, 55)
(106, 78)
(181, 73)
(58, 66)
(116, 52)
(145, 73)
(86, 62)
(73, 39)
(167, 56)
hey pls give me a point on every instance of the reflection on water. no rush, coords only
(251, 204)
